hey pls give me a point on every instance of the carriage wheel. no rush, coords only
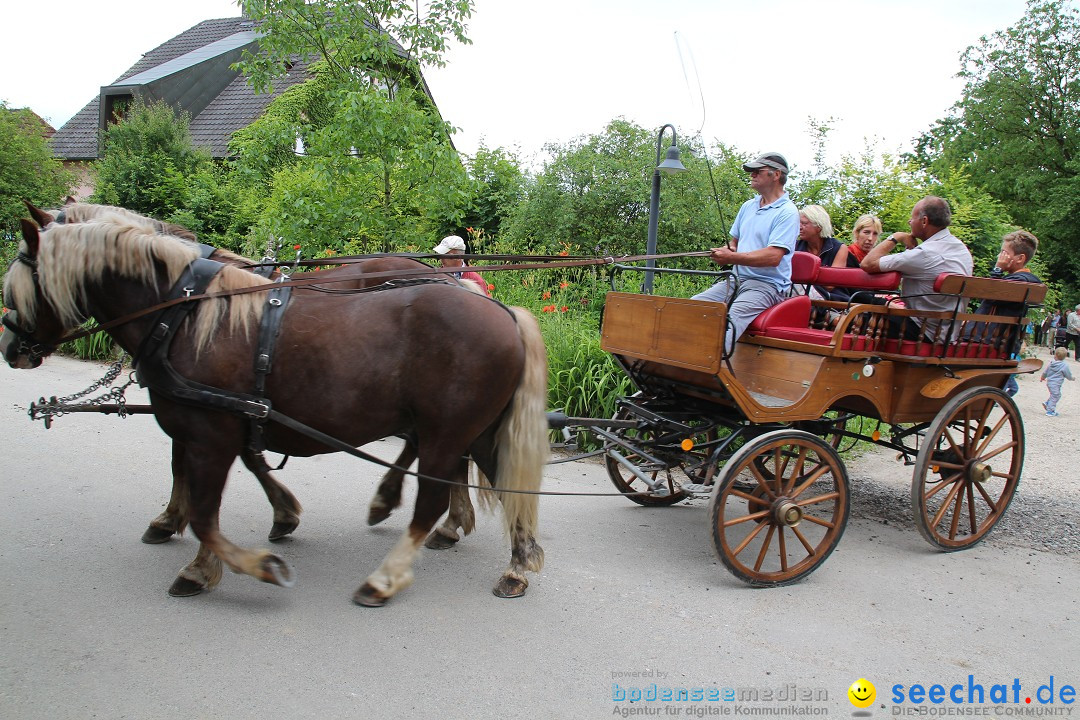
(627, 482)
(968, 468)
(780, 507)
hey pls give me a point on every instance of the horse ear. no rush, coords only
(30, 235)
(41, 217)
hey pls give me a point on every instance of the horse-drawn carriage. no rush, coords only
(758, 428)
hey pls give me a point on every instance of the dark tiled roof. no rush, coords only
(236, 106)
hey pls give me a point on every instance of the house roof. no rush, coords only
(192, 71)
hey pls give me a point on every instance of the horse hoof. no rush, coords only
(281, 529)
(276, 571)
(368, 596)
(156, 535)
(510, 587)
(183, 587)
(438, 541)
(377, 514)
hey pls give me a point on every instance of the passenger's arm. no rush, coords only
(872, 261)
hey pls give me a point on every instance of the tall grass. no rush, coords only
(98, 346)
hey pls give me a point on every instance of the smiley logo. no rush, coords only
(862, 693)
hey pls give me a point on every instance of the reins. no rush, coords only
(390, 274)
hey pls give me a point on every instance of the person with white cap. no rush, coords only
(451, 246)
(762, 240)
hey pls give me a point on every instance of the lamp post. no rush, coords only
(669, 166)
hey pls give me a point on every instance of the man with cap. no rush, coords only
(450, 246)
(762, 240)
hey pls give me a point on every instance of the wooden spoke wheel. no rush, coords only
(688, 466)
(779, 507)
(968, 468)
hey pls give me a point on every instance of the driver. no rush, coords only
(762, 239)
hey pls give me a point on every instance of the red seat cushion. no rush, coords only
(857, 279)
(805, 267)
(793, 312)
(859, 343)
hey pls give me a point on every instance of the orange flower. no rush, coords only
(563, 309)
(548, 309)
(563, 285)
(295, 247)
(491, 287)
(546, 295)
(563, 253)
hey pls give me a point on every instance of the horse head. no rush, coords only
(31, 327)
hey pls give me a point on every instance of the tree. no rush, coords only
(1016, 127)
(593, 196)
(378, 170)
(28, 171)
(148, 154)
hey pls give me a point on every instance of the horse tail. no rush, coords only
(521, 440)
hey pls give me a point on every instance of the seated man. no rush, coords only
(762, 241)
(920, 264)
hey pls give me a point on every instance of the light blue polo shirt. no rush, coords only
(774, 225)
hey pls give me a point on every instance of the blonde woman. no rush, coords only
(864, 237)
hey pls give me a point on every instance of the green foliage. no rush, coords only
(1016, 127)
(147, 158)
(92, 347)
(27, 171)
(593, 196)
(498, 185)
(346, 34)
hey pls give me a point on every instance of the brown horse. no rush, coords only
(354, 276)
(359, 367)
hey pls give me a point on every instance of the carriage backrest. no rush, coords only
(996, 289)
(805, 268)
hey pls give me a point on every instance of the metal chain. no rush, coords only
(56, 407)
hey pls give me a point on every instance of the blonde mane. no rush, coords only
(73, 257)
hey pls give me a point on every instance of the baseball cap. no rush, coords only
(450, 242)
(773, 160)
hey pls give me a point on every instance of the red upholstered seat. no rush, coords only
(805, 268)
(791, 313)
(858, 343)
(959, 350)
(857, 279)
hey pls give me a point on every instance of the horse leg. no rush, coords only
(206, 473)
(525, 553)
(175, 517)
(286, 507)
(395, 573)
(388, 495)
(461, 516)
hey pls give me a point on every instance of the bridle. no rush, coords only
(24, 343)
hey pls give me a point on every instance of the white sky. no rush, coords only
(540, 72)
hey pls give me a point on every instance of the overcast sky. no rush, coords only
(744, 72)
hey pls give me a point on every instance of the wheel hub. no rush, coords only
(979, 472)
(787, 513)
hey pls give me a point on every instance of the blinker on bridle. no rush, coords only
(27, 345)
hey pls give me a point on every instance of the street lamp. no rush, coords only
(669, 166)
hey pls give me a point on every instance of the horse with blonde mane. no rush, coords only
(356, 367)
(357, 275)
